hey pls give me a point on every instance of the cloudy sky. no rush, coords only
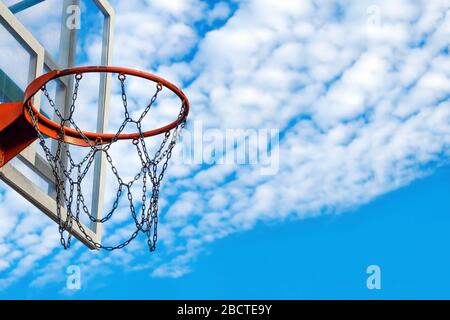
(357, 93)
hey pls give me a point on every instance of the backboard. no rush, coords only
(37, 36)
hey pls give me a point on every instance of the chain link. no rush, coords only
(147, 222)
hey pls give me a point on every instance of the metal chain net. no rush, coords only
(64, 167)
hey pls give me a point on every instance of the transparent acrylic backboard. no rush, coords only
(39, 36)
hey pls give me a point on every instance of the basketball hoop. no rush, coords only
(21, 124)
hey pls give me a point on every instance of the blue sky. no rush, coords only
(404, 232)
(359, 92)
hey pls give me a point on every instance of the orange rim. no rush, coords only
(71, 136)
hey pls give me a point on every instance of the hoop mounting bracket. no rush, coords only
(15, 132)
